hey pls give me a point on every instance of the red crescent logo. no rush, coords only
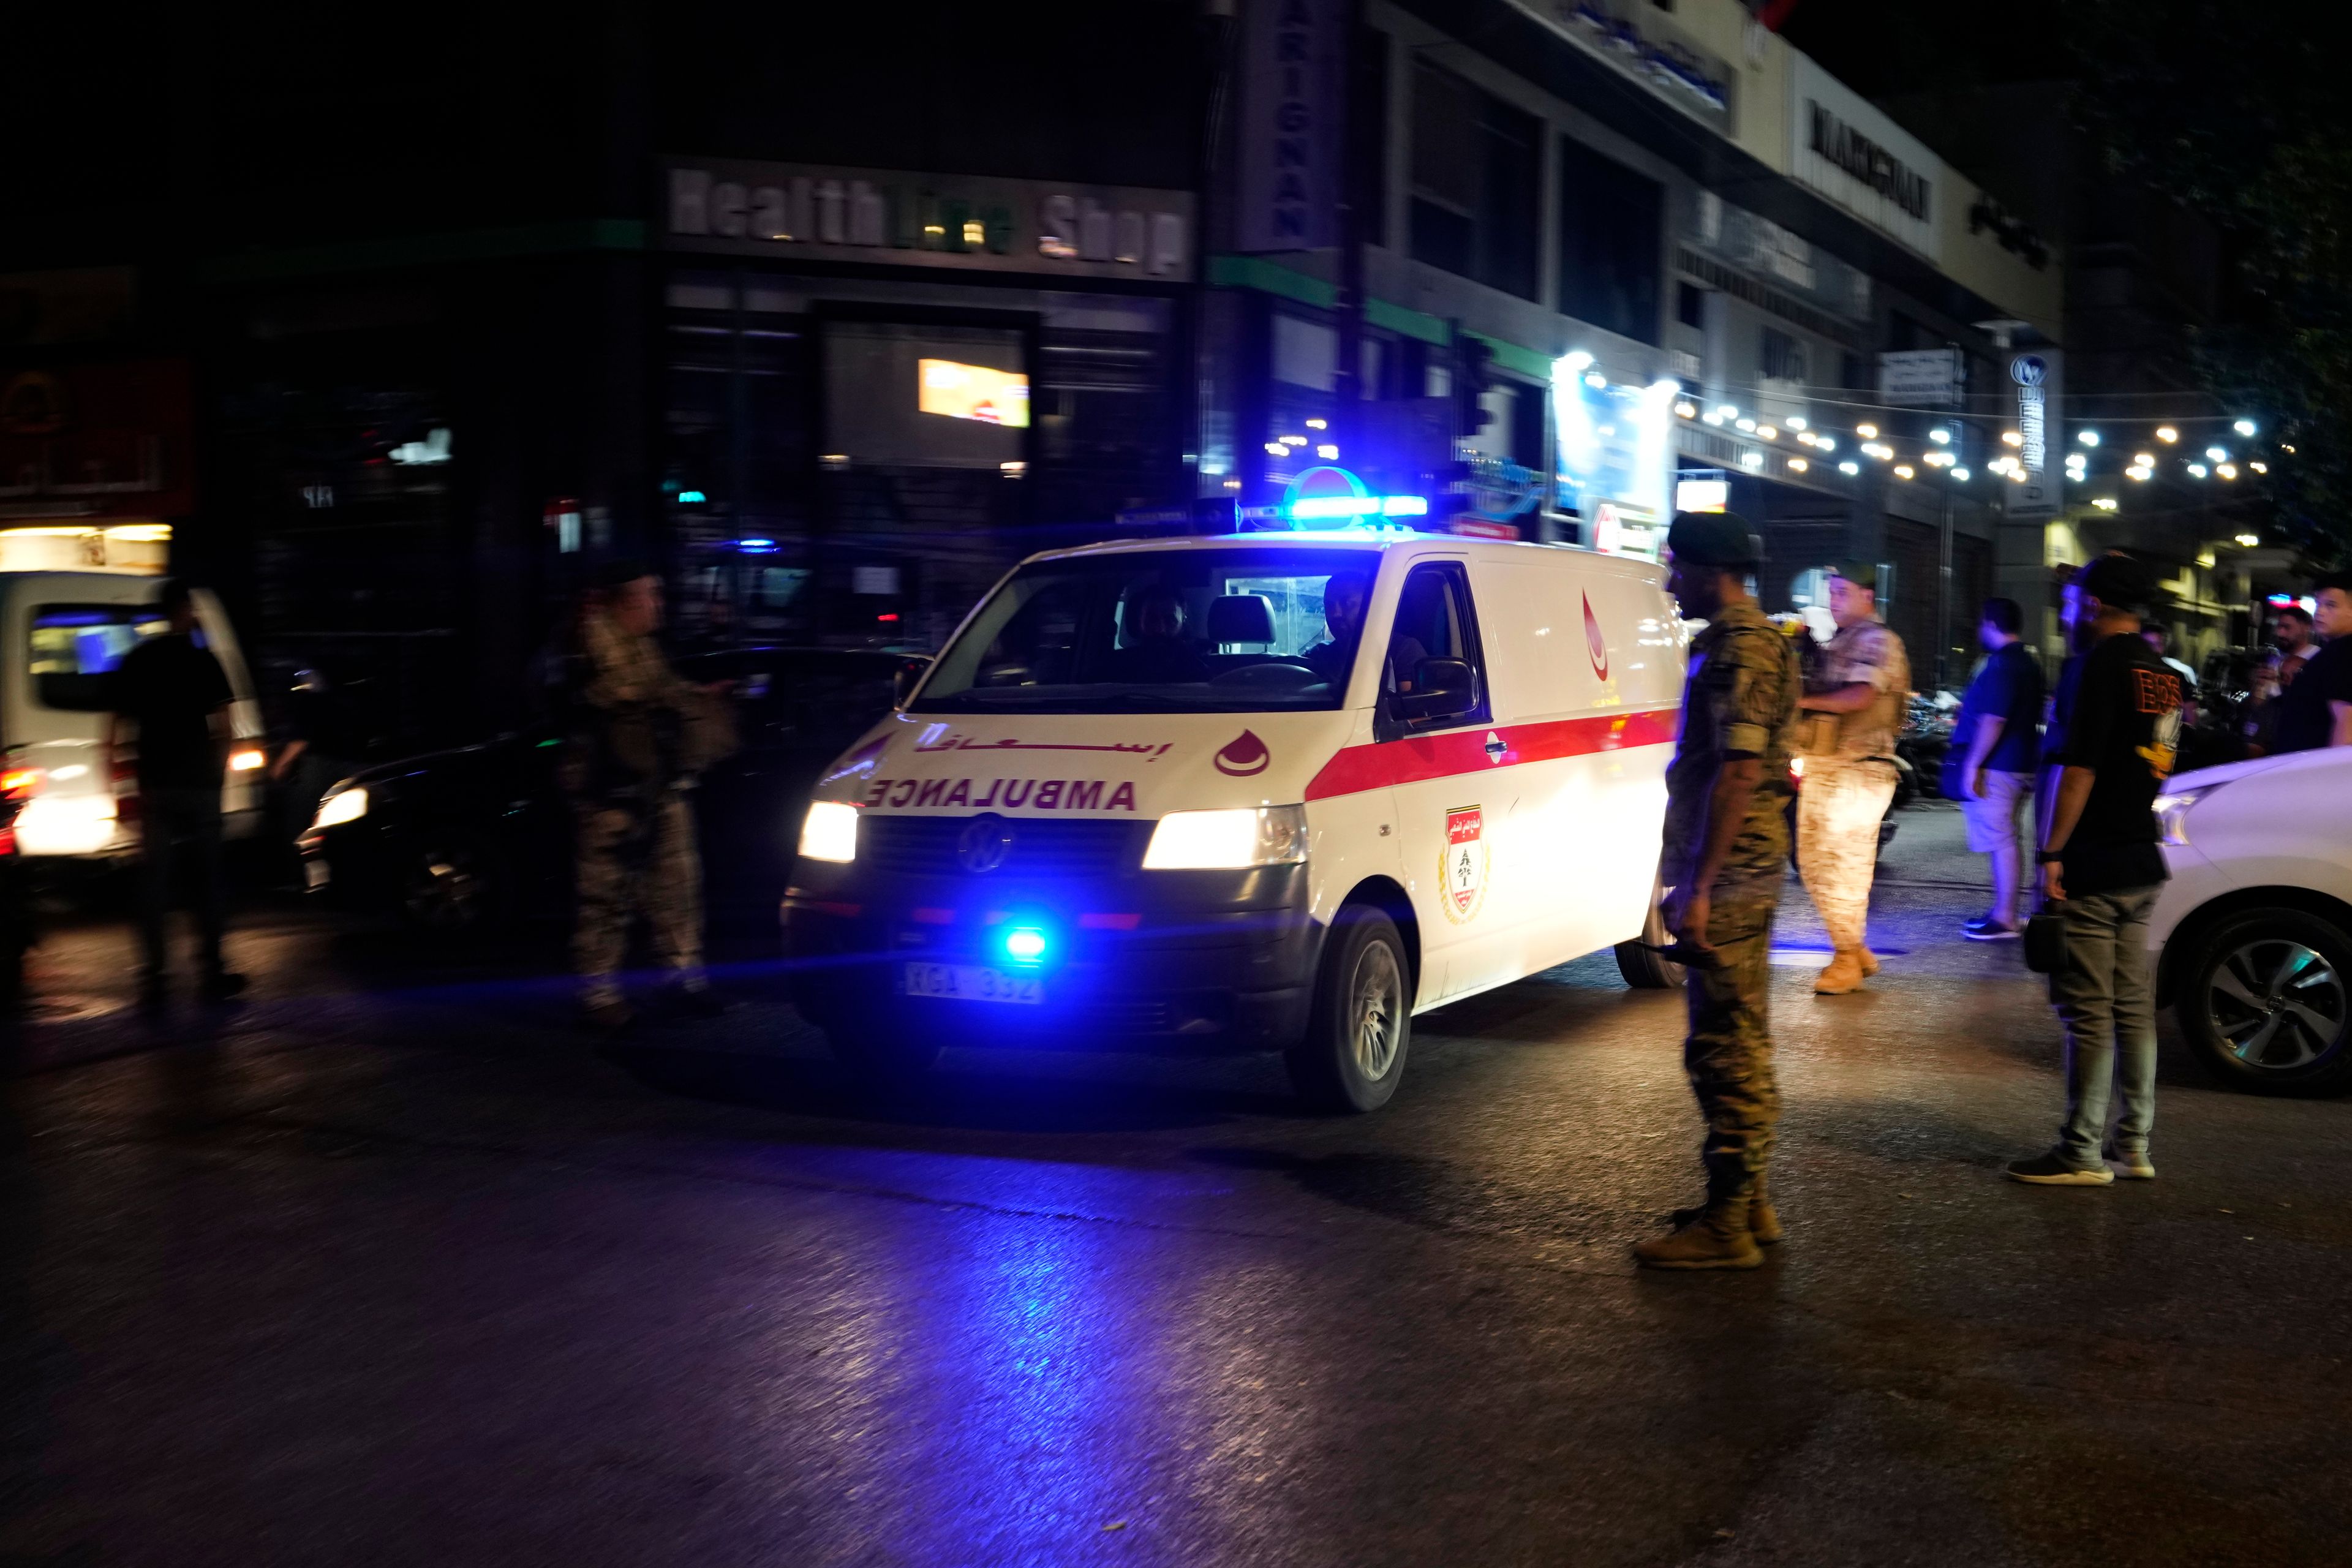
(1594, 643)
(1243, 755)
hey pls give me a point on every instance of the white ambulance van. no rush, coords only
(62, 632)
(1261, 792)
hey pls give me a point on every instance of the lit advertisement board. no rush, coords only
(973, 392)
(1615, 457)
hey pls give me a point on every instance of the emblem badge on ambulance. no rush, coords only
(1462, 865)
(1594, 643)
(1243, 755)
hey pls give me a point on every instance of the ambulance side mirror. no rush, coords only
(909, 676)
(1442, 689)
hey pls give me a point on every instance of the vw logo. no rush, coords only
(2029, 370)
(984, 843)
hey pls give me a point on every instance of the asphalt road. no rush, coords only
(389, 1267)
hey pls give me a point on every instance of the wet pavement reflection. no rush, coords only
(390, 1266)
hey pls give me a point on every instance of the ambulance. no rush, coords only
(1275, 791)
(74, 599)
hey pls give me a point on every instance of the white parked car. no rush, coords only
(2253, 933)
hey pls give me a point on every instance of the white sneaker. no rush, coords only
(2133, 1167)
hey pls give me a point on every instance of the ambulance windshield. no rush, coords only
(1175, 631)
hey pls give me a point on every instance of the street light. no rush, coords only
(1867, 432)
(2088, 438)
(2248, 541)
(1941, 436)
(2219, 454)
(2244, 427)
(2167, 434)
(2011, 438)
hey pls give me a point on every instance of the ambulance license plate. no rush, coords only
(971, 983)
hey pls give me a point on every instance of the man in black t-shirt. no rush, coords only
(2316, 710)
(2102, 869)
(173, 693)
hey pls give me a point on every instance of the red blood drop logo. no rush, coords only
(1594, 643)
(1244, 754)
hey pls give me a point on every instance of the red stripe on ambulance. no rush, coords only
(1416, 757)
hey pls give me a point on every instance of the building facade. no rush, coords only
(1682, 261)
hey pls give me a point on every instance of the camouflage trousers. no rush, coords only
(637, 860)
(1729, 1053)
(1838, 812)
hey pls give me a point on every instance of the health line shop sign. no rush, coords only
(953, 222)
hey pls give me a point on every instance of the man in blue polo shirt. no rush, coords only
(1989, 767)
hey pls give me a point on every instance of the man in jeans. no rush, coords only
(2101, 870)
(173, 692)
(1989, 767)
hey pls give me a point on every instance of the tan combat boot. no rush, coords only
(1717, 1238)
(1763, 1219)
(1844, 974)
(1869, 964)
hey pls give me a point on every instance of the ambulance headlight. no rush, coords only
(829, 831)
(1247, 836)
(343, 806)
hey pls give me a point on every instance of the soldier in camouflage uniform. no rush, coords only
(1852, 708)
(635, 847)
(1727, 845)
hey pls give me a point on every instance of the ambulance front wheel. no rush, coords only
(1361, 1027)
(1639, 960)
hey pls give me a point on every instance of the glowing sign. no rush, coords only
(973, 392)
(1702, 495)
(1614, 459)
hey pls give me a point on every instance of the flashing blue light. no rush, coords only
(690, 498)
(1312, 508)
(1025, 944)
(756, 546)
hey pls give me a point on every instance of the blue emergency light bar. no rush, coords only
(1307, 508)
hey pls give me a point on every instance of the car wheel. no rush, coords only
(1643, 968)
(449, 887)
(2266, 1000)
(1361, 1028)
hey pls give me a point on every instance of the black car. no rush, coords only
(465, 839)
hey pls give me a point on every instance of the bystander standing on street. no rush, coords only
(1726, 849)
(2292, 647)
(2294, 642)
(1852, 711)
(1989, 766)
(644, 732)
(2102, 869)
(175, 699)
(2317, 710)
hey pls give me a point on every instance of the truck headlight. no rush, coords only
(343, 806)
(1245, 835)
(2172, 812)
(829, 831)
